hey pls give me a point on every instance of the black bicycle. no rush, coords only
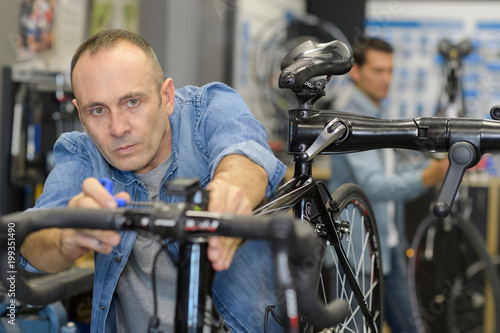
(351, 264)
(293, 246)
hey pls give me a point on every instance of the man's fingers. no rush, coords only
(94, 195)
(123, 195)
(82, 201)
(92, 188)
(75, 243)
(221, 251)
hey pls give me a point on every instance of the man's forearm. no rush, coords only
(42, 250)
(242, 172)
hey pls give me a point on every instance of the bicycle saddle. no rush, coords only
(311, 59)
(454, 51)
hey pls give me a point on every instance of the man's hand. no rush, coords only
(75, 243)
(54, 250)
(435, 172)
(225, 198)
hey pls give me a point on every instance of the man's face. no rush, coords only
(122, 108)
(374, 76)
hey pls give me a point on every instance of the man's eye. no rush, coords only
(133, 102)
(97, 111)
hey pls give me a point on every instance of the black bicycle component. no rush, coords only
(169, 220)
(452, 271)
(454, 51)
(462, 155)
(311, 59)
(433, 134)
(471, 137)
(194, 271)
(302, 66)
(451, 103)
(305, 281)
(495, 112)
(14, 229)
(347, 220)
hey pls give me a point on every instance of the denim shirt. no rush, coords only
(208, 123)
(367, 169)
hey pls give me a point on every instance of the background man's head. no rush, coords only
(372, 70)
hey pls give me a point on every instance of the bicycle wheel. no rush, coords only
(355, 237)
(454, 286)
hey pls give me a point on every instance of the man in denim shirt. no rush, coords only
(387, 184)
(141, 133)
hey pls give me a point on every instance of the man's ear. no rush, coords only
(168, 95)
(75, 103)
(354, 73)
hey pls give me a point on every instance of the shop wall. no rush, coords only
(415, 29)
(8, 24)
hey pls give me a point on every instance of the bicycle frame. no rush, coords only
(196, 312)
(300, 193)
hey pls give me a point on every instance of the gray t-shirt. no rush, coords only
(134, 291)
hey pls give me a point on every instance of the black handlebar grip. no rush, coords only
(14, 228)
(307, 273)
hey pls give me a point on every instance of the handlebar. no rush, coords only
(175, 221)
(465, 139)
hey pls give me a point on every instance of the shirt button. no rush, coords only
(102, 307)
(118, 259)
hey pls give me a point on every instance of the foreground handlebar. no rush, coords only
(167, 221)
(14, 228)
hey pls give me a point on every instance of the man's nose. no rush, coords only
(387, 77)
(119, 123)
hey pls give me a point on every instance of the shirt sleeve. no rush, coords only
(369, 171)
(72, 166)
(229, 127)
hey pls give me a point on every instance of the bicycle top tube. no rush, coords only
(173, 221)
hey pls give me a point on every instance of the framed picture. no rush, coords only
(36, 27)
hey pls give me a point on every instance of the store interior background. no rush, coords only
(239, 42)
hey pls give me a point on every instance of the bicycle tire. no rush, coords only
(355, 222)
(447, 275)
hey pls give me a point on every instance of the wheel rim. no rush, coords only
(360, 248)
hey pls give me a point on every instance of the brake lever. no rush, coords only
(462, 155)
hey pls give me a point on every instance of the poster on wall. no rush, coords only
(48, 33)
(36, 27)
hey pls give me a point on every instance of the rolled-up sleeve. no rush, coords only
(230, 128)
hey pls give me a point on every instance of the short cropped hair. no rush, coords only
(364, 44)
(109, 38)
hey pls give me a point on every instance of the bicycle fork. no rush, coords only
(325, 226)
